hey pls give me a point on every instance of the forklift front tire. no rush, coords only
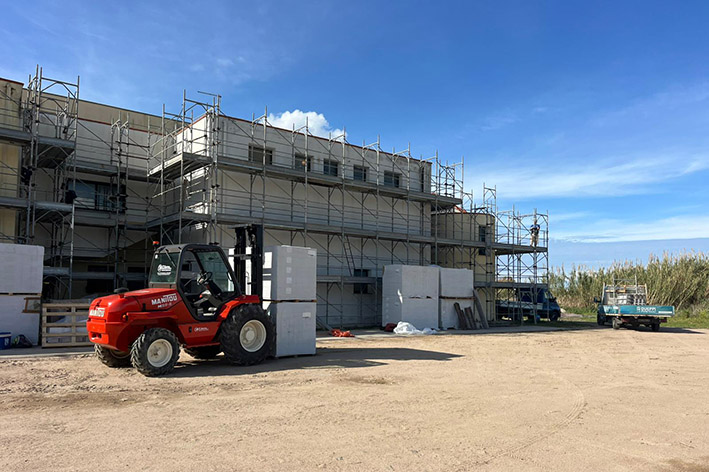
(247, 335)
(155, 352)
(616, 323)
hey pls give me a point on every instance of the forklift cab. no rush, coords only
(200, 273)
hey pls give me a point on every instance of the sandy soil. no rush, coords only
(591, 400)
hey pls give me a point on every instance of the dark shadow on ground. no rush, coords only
(581, 325)
(542, 327)
(547, 327)
(666, 329)
(326, 358)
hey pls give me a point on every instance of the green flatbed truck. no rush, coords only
(624, 304)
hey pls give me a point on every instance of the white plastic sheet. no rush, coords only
(407, 328)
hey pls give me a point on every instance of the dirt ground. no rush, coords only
(594, 399)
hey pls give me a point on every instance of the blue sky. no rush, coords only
(595, 111)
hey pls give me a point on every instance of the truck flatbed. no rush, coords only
(625, 304)
(639, 310)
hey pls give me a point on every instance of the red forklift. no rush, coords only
(194, 300)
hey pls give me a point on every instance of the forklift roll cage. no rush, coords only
(247, 236)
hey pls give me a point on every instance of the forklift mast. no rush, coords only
(249, 236)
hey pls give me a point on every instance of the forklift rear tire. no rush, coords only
(655, 327)
(111, 357)
(205, 352)
(600, 319)
(155, 352)
(616, 323)
(554, 316)
(247, 335)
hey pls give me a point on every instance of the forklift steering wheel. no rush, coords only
(204, 278)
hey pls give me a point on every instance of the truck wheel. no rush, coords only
(205, 352)
(600, 319)
(655, 327)
(111, 357)
(554, 316)
(616, 323)
(247, 335)
(155, 352)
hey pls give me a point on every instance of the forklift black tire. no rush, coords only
(205, 352)
(247, 335)
(617, 323)
(655, 327)
(155, 352)
(554, 316)
(601, 319)
(111, 357)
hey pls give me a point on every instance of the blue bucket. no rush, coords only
(5, 340)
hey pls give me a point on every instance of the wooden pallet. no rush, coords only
(64, 325)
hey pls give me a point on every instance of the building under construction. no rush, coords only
(96, 185)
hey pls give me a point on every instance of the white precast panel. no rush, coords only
(456, 283)
(449, 317)
(13, 319)
(410, 281)
(22, 267)
(289, 273)
(295, 327)
(420, 312)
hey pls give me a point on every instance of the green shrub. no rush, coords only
(678, 280)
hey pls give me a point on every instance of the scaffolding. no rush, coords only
(359, 206)
(522, 259)
(73, 189)
(41, 122)
(496, 244)
(191, 176)
(184, 162)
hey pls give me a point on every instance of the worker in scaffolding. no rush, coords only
(534, 232)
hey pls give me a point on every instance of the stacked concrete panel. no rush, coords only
(289, 293)
(15, 321)
(456, 286)
(455, 283)
(289, 273)
(20, 278)
(410, 293)
(22, 268)
(295, 327)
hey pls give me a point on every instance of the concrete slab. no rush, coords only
(456, 283)
(409, 281)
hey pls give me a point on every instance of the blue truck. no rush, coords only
(624, 304)
(530, 302)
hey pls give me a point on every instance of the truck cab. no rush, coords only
(547, 306)
(531, 302)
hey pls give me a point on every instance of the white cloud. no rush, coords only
(224, 62)
(576, 215)
(658, 104)
(616, 230)
(636, 176)
(317, 123)
(499, 120)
